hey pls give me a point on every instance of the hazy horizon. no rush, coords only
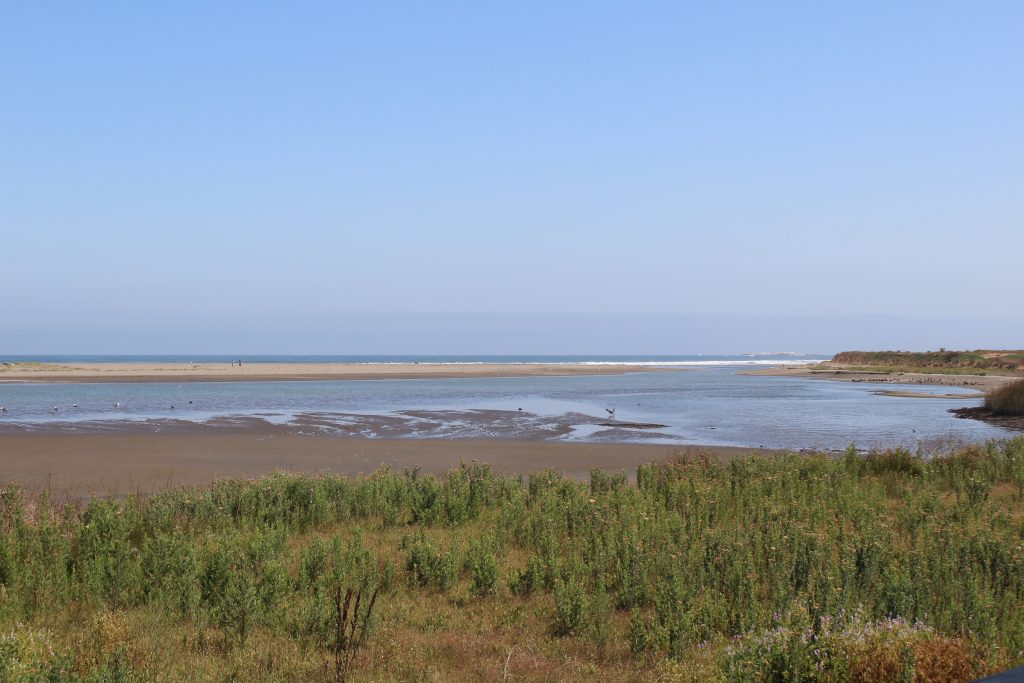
(427, 334)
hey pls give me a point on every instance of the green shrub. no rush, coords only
(483, 567)
(1007, 400)
(529, 579)
(426, 498)
(313, 562)
(897, 460)
(599, 618)
(171, 573)
(602, 483)
(428, 566)
(641, 636)
(239, 607)
(570, 607)
(104, 554)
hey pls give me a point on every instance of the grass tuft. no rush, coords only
(1007, 400)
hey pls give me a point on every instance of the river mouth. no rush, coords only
(712, 406)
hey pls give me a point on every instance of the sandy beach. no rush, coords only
(81, 465)
(980, 382)
(252, 372)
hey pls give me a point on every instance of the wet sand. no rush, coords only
(921, 394)
(252, 372)
(82, 465)
(982, 413)
(837, 374)
(470, 423)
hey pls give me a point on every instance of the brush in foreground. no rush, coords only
(1006, 401)
(872, 568)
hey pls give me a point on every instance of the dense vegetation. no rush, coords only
(1007, 400)
(931, 361)
(879, 568)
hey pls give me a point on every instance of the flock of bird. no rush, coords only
(117, 405)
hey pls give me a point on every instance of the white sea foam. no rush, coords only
(676, 363)
(645, 363)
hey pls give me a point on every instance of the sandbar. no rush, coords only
(79, 466)
(831, 373)
(921, 394)
(261, 372)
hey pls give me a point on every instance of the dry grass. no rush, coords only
(996, 362)
(1007, 401)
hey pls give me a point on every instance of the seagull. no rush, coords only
(117, 404)
(74, 405)
(3, 409)
(55, 409)
(611, 412)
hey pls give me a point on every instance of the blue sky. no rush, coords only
(388, 177)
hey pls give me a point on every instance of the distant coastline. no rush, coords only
(983, 370)
(269, 368)
(264, 372)
(834, 373)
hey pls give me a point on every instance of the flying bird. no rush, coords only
(611, 412)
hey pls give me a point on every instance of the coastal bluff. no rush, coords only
(998, 362)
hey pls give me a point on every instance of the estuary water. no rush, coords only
(696, 400)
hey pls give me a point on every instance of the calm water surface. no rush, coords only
(711, 404)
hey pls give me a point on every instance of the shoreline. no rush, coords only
(837, 374)
(81, 466)
(266, 372)
(920, 394)
(983, 414)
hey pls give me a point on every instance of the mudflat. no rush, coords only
(259, 372)
(77, 466)
(836, 374)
